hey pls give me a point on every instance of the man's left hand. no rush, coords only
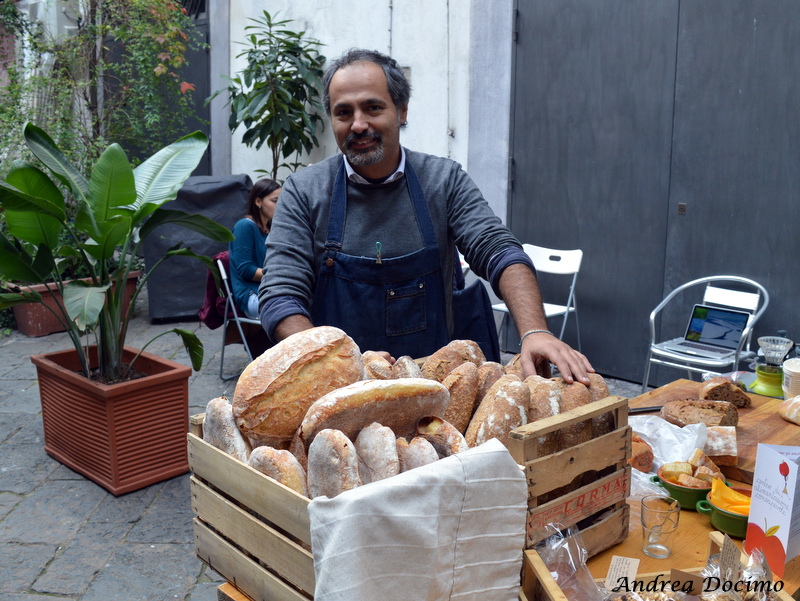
(541, 349)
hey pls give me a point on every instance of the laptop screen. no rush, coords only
(717, 327)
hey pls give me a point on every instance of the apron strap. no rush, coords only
(338, 213)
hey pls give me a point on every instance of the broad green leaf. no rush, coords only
(112, 184)
(160, 177)
(43, 147)
(84, 303)
(193, 346)
(16, 200)
(34, 182)
(36, 228)
(112, 233)
(17, 265)
(198, 223)
(9, 299)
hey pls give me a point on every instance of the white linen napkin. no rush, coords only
(453, 529)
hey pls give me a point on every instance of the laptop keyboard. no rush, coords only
(704, 347)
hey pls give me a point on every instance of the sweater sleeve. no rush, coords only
(242, 255)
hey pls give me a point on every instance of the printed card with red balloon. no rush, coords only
(774, 522)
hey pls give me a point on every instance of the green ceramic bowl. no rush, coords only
(734, 524)
(685, 495)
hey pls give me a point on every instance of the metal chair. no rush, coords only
(751, 297)
(232, 316)
(559, 262)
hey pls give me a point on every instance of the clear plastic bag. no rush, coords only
(564, 554)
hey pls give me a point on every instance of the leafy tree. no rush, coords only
(275, 95)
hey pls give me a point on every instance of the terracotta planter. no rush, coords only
(122, 436)
(34, 319)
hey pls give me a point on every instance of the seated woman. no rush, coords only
(248, 250)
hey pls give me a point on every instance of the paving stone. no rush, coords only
(20, 565)
(24, 467)
(31, 432)
(33, 597)
(12, 423)
(20, 396)
(205, 591)
(73, 570)
(8, 501)
(169, 517)
(142, 572)
(53, 513)
(62, 472)
(126, 509)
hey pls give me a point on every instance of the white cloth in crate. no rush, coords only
(454, 529)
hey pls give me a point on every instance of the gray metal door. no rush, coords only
(663, 139)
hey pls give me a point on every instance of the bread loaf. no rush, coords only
(220, 430)
(468, 350)
(277, 388)
(707, 474)
(693, 482)
(573, 396)
(441, 363)
(377, 453)
(698, 458)
(641, 454)
(416, 453)
(598, 390)
(504, 408)
(721, 446)
(462, 384)
(281, 466)
(376, 367)
(444, 436)
(332, 465)
(790, 410)
(488, 374)
(406, 367)
(545, 402)
(722, 389)
(514, 366)
(710, 413)
(298, 448)
(396, 404)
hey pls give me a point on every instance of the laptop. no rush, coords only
(712, 333)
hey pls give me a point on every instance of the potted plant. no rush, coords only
(92, 423)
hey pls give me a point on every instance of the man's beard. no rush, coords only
(367, 156)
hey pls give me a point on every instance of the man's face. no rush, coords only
(366, 123)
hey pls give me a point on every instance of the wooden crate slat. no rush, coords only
(523, 441)
(608, 531)
(280, 554)
(583, 502)
(245, 574)
(280, 504)
(559, 469)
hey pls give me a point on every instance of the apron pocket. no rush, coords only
(405, 309)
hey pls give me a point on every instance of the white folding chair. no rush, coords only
(232, 316)
(749, 296)
(559, 262)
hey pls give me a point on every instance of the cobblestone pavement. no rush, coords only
(62, 536)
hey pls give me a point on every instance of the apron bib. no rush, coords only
(397, 305)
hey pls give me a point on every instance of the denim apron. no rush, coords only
(395, 305)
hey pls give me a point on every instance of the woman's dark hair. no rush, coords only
(399, 88)
(262, 188)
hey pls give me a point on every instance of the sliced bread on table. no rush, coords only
(721, 445)
(722, 389)
(711, 413)
(790, 410)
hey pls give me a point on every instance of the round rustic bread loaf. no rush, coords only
(416, 453)
(376, 367)
(469, 351)
(598, 390)
(396, 404)
(277, 388)
(488, 373)
(377, 453)
(332, 465)
(281, 466)
(406, 367)
(220, 430)
(462, 383)
(545, 402)
(504, 408)
(441, 363)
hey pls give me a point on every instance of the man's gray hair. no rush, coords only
(399, 88)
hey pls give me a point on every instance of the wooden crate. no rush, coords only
(256, 533)
(538, 584)
(598, 507)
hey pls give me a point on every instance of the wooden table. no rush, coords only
(757, 424)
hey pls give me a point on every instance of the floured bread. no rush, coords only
(573, 396)
(444, 436)
(332, 465)
(277, 388)
(790, 410)
(504, 408)
(441, 363)
(377, 453)
(545, 402)
(721, 446)
(488, 374)
(468, 350)
(598, 390)
(406, 367)
(416, 453)
(396, 404)
(281, 466)
(514, 366)
(462, 383)
(220, 430)
(376, 367)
